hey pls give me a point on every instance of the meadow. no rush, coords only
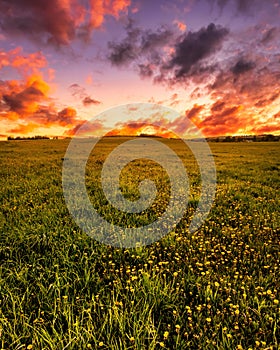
(216, 288)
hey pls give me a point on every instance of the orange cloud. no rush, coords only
(24, 128)
(28, 103)
(88, 129)
(25, 99)
(57, 22)
(141, 128)
(25, 64)
(181, 26)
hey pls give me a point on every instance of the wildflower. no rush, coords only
(177, 328)
(132, 339)
(165, 334)
(208, 319)
(101, 343)
(161, 344)
(276, 301)
(29, 347)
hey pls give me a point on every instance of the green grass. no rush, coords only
(217, 288)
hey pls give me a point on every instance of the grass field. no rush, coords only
(217, 288)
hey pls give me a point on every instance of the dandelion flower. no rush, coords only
(165, 334)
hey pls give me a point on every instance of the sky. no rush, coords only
(64, 62)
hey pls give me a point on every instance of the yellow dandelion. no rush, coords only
(165, 334)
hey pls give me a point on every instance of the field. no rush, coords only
(217, 288)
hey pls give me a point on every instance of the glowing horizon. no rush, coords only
(77, 59)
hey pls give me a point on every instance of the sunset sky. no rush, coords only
(216, 62)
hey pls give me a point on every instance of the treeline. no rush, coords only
(245, 138)
(37, 137)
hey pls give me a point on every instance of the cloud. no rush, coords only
(81, 93)
(27, 103)
(242, 66)
(168, 56)
(270, 35)
(159, 125)
(89, 129)
(139, 43)
(222, 119)
(23, 99)
(194, 48)
(127, 50)
(23, 128)
(77, 91)
(67, 116)
(46, 117)
(180, 25)
(139, 128)
(26, 100)
(57, 22)
(88, 101)
(24, 63)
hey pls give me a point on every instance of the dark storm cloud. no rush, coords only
(242, 66)
(166, 55)
(126, 50)
(122, 53)
(151, 40)
(137, 44)
(195, 47)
